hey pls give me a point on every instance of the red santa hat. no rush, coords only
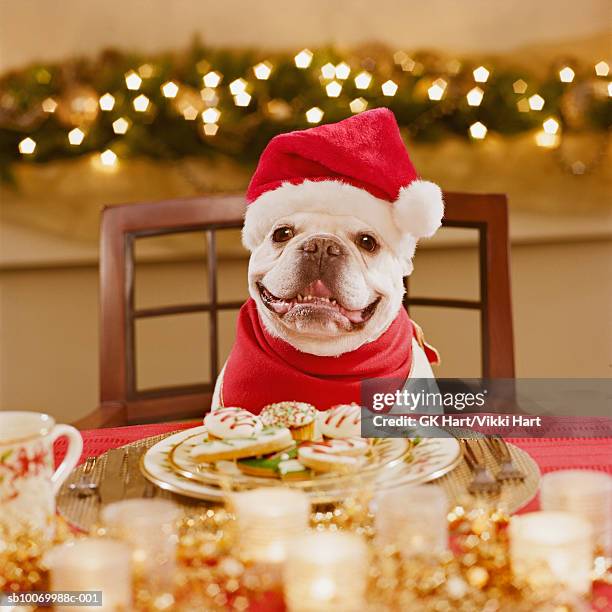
(357, 167)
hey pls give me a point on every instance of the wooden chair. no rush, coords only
(122, 403)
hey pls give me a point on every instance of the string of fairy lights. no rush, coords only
(119, 106)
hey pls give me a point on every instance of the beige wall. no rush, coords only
(35, 29)
(48, 323)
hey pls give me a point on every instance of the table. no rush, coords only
(549, 453)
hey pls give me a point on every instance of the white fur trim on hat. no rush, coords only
(395, 222)
(419, 209)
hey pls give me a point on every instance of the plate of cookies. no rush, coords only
(292, 444)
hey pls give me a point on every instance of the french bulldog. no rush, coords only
(328, 256)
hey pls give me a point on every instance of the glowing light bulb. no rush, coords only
(190, 113)
(536, 102)
(303, 58)
(237, 86)
(610, 89)
(76, 136)
(602, 69)
(263, 70)
(478, 130)
(328, 71)
(389, 88)
(121, 125)
(474, 96)
(107, 102)
(146, 71)
(550, 126)
(141, 103)
(314, 115)
(363, 80)
(333, 89)
(566, 75)
(242, 98)
(49, 105)
(27, 146)
(211, 115)
(547, 140)
(519, 87)
(342, 71)
(209, 95)
(523, 105)
(132, 81)
(408, 65)
(436, 91)
(212, 79)
(399, 57)
(210, 129)
(481, 74)
(169, 89)
(108, 158)
(358, 105)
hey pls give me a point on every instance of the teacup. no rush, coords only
(28, 480)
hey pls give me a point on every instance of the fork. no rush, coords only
(483, 481)
(85, 485)
(507, 469)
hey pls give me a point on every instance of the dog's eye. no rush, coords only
(282, 234)
(367, 242)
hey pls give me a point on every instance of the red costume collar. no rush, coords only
(262, 369)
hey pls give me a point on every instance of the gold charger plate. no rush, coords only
(82, 513)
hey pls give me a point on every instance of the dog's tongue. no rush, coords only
(317, 289)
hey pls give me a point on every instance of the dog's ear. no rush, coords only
(406, 253)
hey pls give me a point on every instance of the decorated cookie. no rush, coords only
(269, 440)
(283, 464)
(299, 417)
(230, 423)
(343, 421)
(333, 455)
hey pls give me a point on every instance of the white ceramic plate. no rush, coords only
(168, 465)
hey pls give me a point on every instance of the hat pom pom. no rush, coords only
(419, 209)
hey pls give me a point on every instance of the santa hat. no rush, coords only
(357, 167)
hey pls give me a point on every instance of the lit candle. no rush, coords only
(326, 570)
(413, 519)
(549, 548)
(267, 519)
(98, 565)
(149, 527)
(587, 493)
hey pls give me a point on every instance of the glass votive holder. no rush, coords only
(552, 548)
(99, 566)
(587, 493)
(149, 527)
(326, 570)
(267, 519)
(413, 520)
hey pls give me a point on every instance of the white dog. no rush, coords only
(325, 276)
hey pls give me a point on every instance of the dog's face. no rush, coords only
(327, 283)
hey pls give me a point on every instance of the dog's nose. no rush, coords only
(324, 246)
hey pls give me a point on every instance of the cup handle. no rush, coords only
(73, 454)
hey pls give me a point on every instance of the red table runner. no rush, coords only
(549, 453)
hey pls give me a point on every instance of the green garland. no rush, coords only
(278, 104)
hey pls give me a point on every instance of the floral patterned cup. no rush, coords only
(28, 481)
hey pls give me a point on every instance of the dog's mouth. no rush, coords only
(316, 299)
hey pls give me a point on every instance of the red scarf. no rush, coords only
(262, 369)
